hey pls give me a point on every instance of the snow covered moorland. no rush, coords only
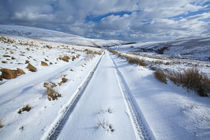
(62, 89)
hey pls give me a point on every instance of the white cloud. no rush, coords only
(149, 19)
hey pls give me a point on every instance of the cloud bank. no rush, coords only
(132, 20)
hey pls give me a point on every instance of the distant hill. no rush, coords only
(56, 36)
(194, 48)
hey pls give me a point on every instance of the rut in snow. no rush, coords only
(54, 133)
(141, 127)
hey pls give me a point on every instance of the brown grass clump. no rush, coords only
(1, 125)
(31, 68)
(27, 61)
(51, 93)
(3, 61)
(88, 51)
(64, 58)
(159, 75)
(135, 60)
(6, 40)
(19, 72)
(10, 74)
(5, 55)
(113, 51)
(192, 79)
(25, 108)
(44, 63)
(132, 60)
(63, 80)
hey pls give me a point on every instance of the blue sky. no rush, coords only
(131, 20)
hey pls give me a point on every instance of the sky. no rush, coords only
(130, 20)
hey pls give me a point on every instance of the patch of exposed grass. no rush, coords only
(5, 55)
(1, 125)
(63, 80)
(130, 59)
(4, 62)
(192, 79)
(135, 60)
(51, 93)
(44, 63)
(25, 108)
(64, 58)
(159, 75)
(31, 68)
(10, 74)
(27, 61)
(88, 51)
(6, 40)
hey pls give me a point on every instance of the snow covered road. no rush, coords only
(101, 112)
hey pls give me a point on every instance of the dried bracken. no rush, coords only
(10, 74)
(25, 108)
(135, 60)
(130, 59)
(159, 75)
(64, 58)
(31, 68)
(51, 93)
(44, 63)
(63, 80)
(192, 79)
(6, 40)
(88, 51)
(1, 125)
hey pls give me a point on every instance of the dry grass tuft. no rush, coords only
(10, 74)
(51, 93)
(6, 40)
(63, 80)
(27, 61)
(135, 60)
(19, 71)
(159, 75)
(4, 62)
(5, 55)
(88, 51)
(192, 79)
(44, 63)
(75, 57)
(1, 125)
(25, 108)
(132, 60)
(64, 58)
(31, 68)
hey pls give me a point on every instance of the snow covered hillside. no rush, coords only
(62, 89)
(196, 48)
(55, 36)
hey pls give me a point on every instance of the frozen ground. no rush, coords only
(103, 97)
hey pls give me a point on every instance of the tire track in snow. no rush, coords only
(55, 131)
(143, 132)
